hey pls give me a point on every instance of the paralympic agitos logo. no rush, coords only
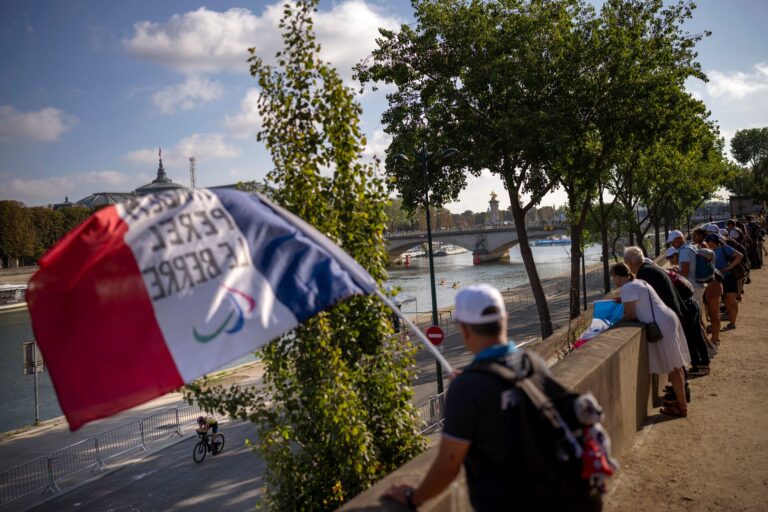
(234, 321)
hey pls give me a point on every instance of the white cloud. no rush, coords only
(207, 41)
(192, 93)
(53, 189)
(377, 145)
(46, 125)
(204, 146)
(247, 122)
(736, 85)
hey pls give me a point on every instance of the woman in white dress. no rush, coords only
(668, 355)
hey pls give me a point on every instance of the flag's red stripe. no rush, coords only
(95, 323)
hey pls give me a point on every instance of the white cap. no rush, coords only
(711, 228)
(473, 300)
(674, 235)
(671, 252)
(734, 233)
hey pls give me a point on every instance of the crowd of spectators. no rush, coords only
(689, 296)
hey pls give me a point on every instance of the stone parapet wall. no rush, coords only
(613, 366)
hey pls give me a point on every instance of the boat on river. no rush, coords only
(551, 241)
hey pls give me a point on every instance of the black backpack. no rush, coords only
(546, 457)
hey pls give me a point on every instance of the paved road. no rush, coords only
(168, 480)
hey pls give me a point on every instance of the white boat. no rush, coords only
(551, 241)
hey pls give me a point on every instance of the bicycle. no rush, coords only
(205, 445)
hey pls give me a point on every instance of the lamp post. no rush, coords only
(423, 157)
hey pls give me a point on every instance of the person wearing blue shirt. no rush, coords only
(476, 429)
(726, 258)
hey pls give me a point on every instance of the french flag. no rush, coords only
(148, 295)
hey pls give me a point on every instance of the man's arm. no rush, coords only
(444, 469)
(736, 258)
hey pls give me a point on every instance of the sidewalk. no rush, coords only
(716, 458)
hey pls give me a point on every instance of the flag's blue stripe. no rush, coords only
(305, 278)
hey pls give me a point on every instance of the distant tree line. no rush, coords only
(400, 218)
(26, 233)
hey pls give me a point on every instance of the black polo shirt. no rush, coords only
(659, 280)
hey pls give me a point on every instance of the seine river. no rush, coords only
(17, 390)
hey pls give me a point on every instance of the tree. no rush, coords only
(398, 218)
(48, 228)
(750, 146)
(546, 213)
(485, 78)
(16, 233)
(335, 413)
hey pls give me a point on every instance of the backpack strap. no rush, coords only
(530, 367)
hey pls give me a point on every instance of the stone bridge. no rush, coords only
(487, 243)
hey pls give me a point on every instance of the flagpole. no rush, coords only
(440, 359)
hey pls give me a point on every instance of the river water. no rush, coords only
(17, 390)
(458, 268)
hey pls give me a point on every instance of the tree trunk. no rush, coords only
(575, 310)
(657, 241)
(603, 224)
(640, 240)
(606, 269)
(576, 227)
(539, 297)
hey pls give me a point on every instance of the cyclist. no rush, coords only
(206, 423)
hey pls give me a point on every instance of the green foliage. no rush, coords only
(27, 233)
(398, 219)
(335, 413)
(489, 78)
(750, 146)
(16, 232)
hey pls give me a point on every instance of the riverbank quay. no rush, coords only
(20, 275)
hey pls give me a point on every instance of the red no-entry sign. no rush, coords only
(435, 335)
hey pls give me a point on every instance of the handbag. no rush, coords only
(653, 333)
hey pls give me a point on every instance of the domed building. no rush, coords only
(160, 184)
(101, 199)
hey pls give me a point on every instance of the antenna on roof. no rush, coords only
(192, 172)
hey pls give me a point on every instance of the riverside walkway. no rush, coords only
(717, 458)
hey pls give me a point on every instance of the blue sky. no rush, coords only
(91, 89)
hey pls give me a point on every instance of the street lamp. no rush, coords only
(424, 157)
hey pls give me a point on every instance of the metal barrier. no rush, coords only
(120, 440)
(75, 458)
(45, 473)
(432, 412)
(26, 479)
(161, 425)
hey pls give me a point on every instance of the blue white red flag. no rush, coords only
(151, 294)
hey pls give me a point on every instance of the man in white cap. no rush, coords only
(476, 414)
(711, 228)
